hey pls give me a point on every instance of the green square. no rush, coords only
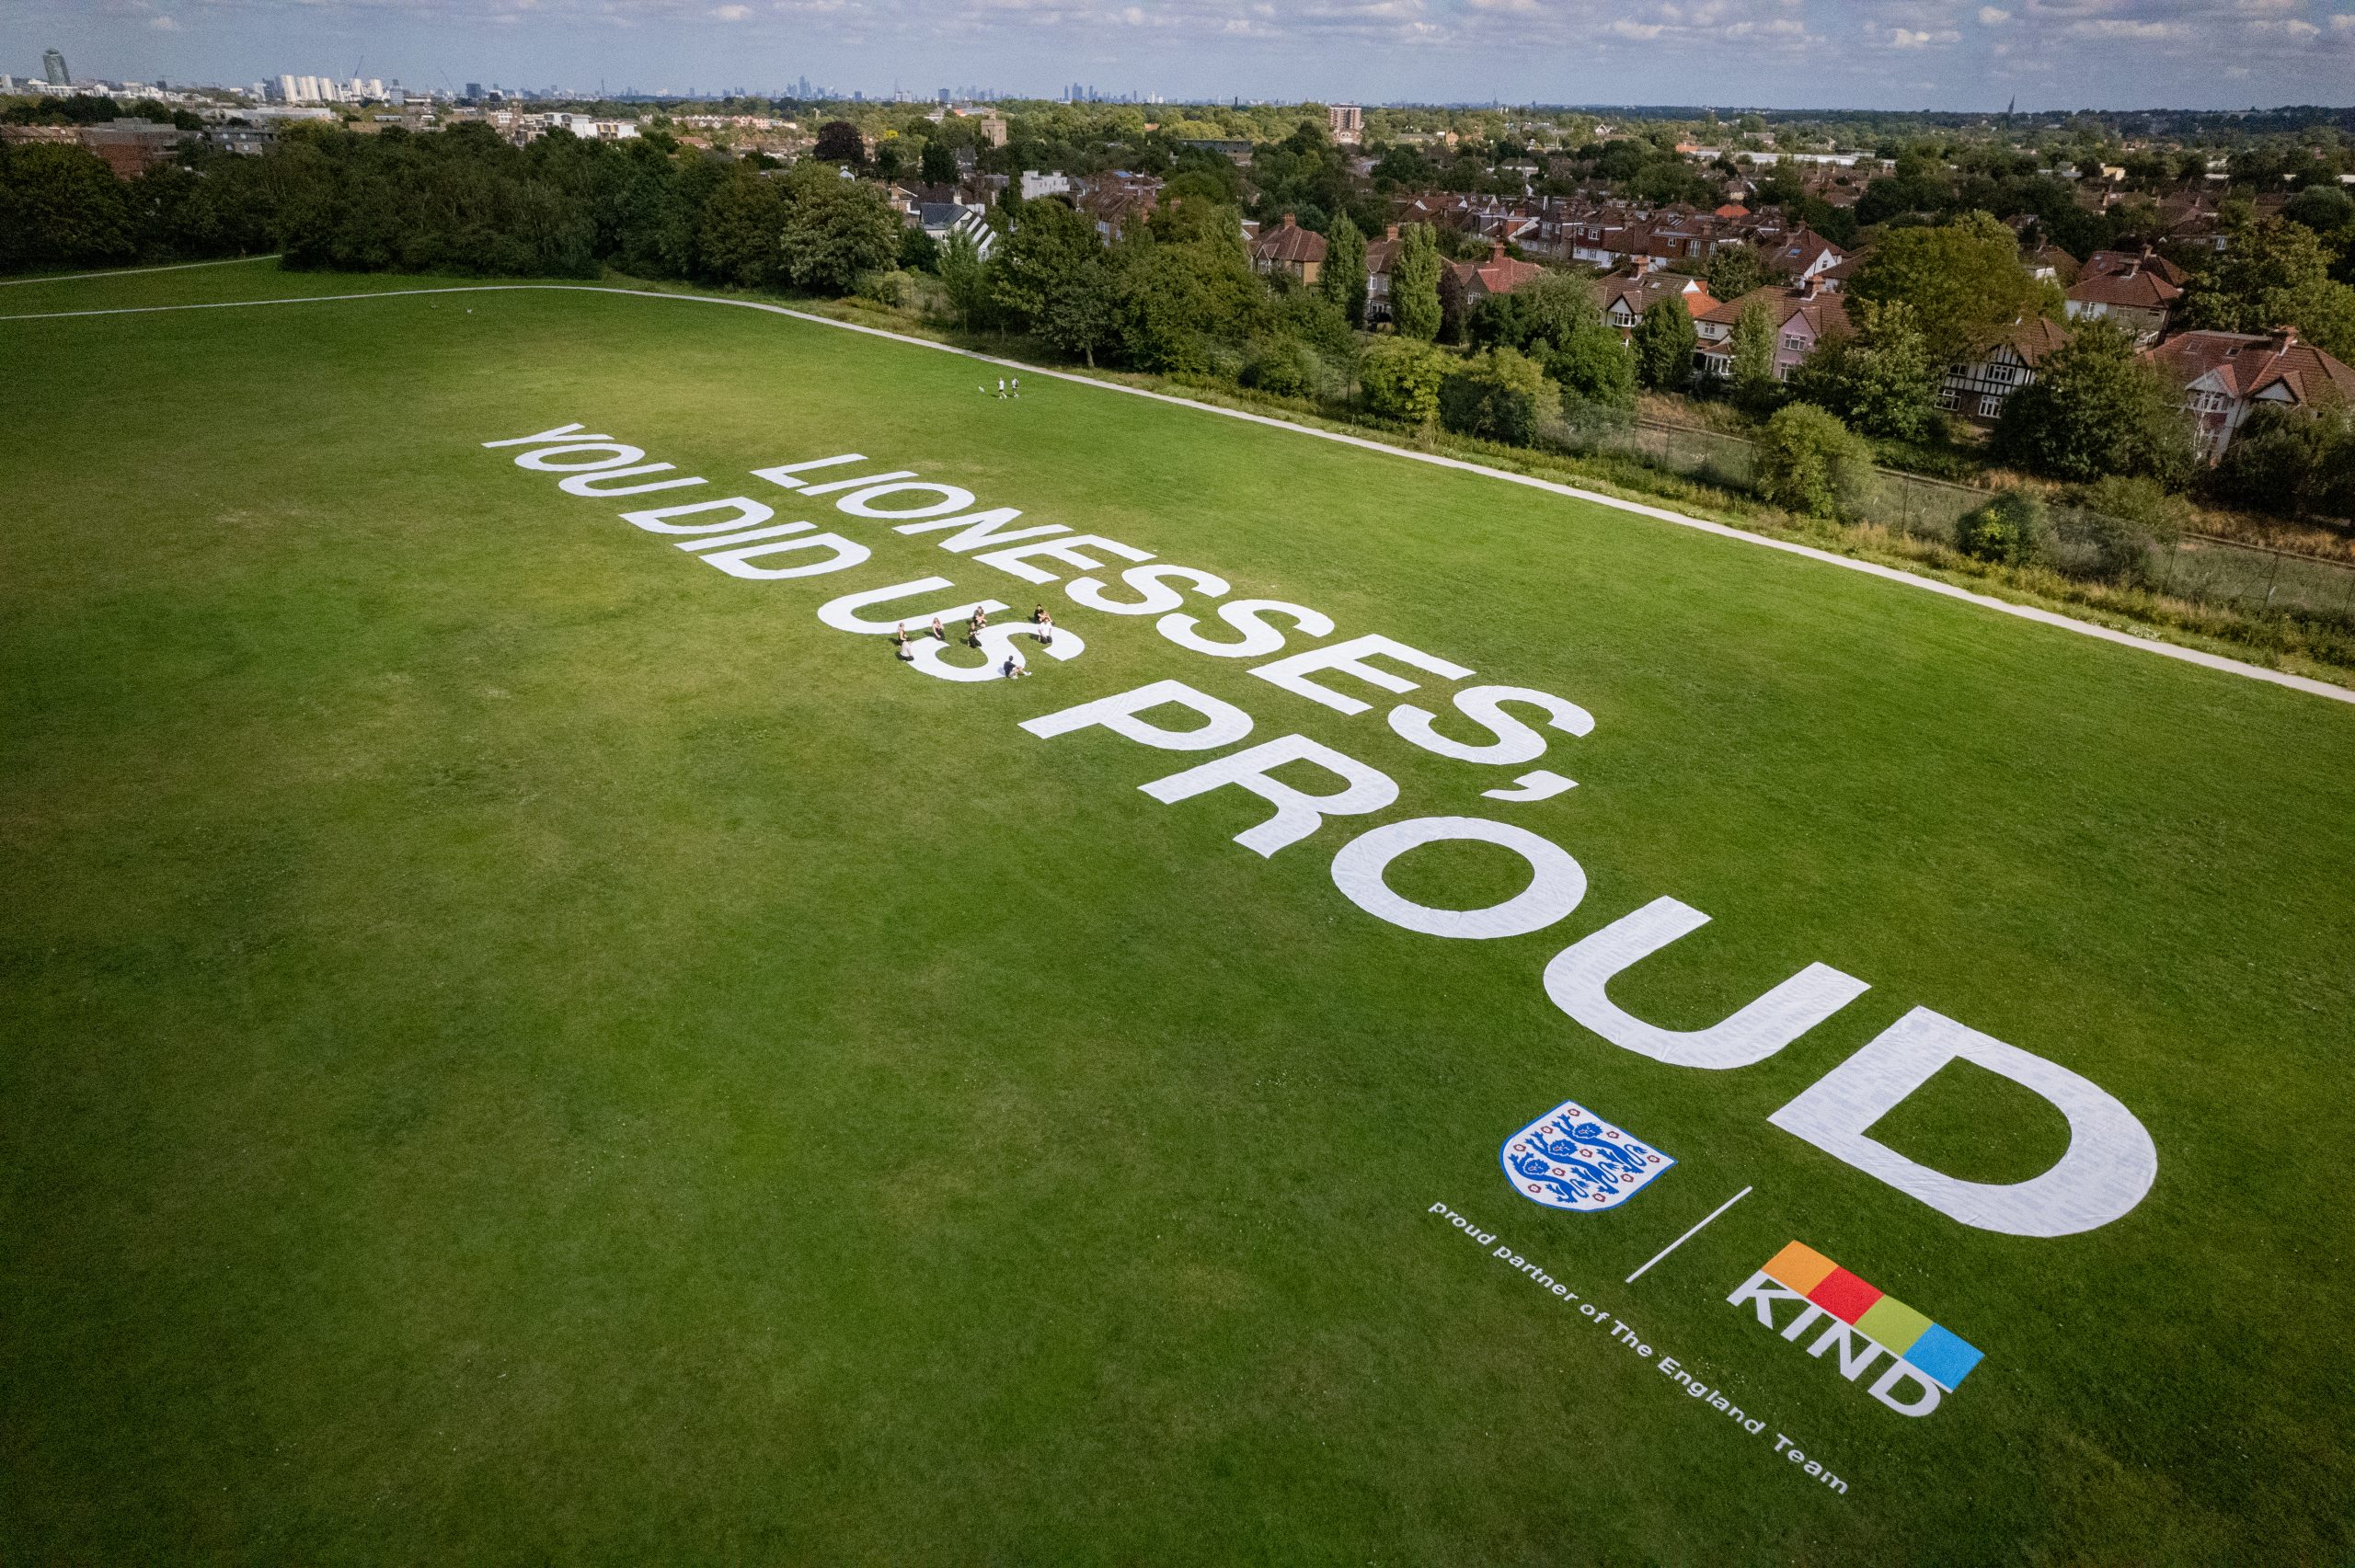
(1893, 1323)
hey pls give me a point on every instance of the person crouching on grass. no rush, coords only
(899, 643)
(938, 634)
(1013, 668)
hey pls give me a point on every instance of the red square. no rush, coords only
(1844, 1295)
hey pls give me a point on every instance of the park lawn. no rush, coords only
(521, 1045)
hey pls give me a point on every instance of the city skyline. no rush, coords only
(1790, 54)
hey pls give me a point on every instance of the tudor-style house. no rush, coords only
(1976, 388)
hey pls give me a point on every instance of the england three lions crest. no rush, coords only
(1570, 1157)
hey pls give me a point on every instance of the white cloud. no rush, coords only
(733, 13)
(165, 24)
(1992, 17)
(1922, 37)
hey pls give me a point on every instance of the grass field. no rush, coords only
(522, 1045)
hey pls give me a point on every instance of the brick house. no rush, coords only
(1499, 274)
(2136, 290)
(1803, 317)
(1380, 254)
(2226, 376)
(1624, 299)
(1288, 249)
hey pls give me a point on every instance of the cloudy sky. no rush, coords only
(1782, 53)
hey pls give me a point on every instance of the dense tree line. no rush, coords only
(461, 201)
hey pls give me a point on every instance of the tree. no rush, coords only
(938, 163)
(1755, 386)
(835, 230)
(61, 206)
(1400, 378)
(1962, 279)
(1546, 311)
(1497, 394)
(1664, 342)
(919, 252)
(1594, 367)
(1879, 379)
(1051, 242)
(1081, 312)
(2289, 462)
(743, 229)
(1735, 270)
(1808, 462)
(839, 142)
(1413, 283)
(1343, 279)
(2274, 274)
(960, 275)
(2095, 407)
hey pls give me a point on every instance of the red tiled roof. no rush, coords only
(2246, 364)
(1288, 243)
(1825, 313)
(2133, 290)
(2106, 263)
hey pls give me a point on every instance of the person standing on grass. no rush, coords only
(1000, 387)
(1017, 387)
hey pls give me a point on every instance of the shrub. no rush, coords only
(1284, 366)
(1498, 395)
(2009, 530)
(1401, 378)
(1808, 462)
(1594, 367)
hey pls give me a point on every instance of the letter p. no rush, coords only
(1120, 714)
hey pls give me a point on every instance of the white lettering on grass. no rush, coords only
(1557, 881)
(1349, 658)
(1222, 722)
(1070, 552)
(843, 615)
(748, 513)
(977, 529)
(547, 435)
(600, 484)
(1576, 979)
(1249, 617)
(935, 658)
(861, 503)
(2110, 1162)
(789, 474)
(1484, 706)
(1298, 812)
(622, 456)
(1153, 582)
(738, 563)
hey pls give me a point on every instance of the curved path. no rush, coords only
(1930, 585)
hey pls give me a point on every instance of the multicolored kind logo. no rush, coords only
(1926, 1362)
(1570, 1157)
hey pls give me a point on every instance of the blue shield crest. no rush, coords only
(1570, 1157)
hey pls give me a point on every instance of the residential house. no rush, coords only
(1625, 297)
(1976, 388)
(1803, 315)
(2227, 376)
(1803, 255)
(2137, 296)
(1380, 254)
(1288, 249)
(2048, 261)
(1499, 274)
(942, 219)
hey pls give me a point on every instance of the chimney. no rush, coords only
(1290, 222)
(1496, 250)
(1391, 232)
(2284, 340)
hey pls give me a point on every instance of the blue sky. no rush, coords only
(1785, 53)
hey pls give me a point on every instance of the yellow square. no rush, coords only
(1893, 1323)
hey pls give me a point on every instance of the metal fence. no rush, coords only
(2197, 569)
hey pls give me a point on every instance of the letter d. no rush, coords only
(2107, 1167)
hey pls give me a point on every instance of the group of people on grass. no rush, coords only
(1013, 668)
(1002, 387)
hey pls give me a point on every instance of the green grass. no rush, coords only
(520, 1046)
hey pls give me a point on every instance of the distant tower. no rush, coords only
(52, 66)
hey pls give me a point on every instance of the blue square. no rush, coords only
(1943, 1357)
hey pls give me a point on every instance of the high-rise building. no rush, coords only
(52, 66)
(1347, 121)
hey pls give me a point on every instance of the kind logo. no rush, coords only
(1570, 1157)
(1926, 1362)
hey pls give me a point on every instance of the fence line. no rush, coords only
(2197, 567)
